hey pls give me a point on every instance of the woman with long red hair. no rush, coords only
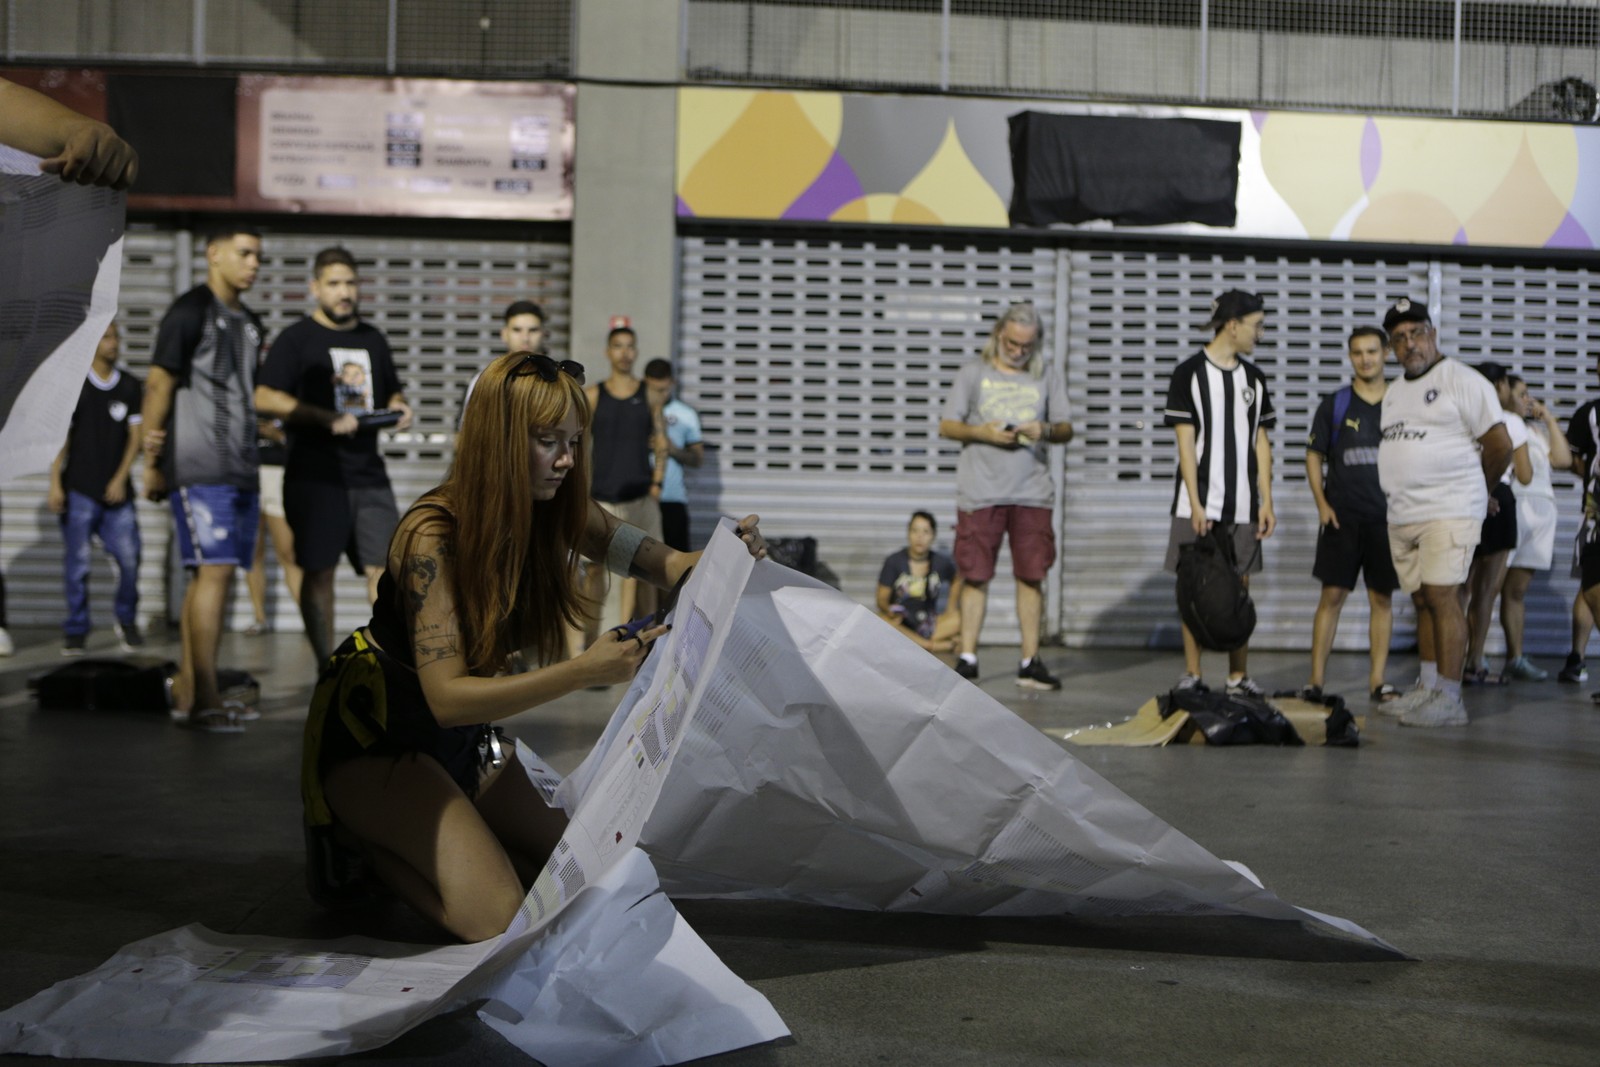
(403, 768)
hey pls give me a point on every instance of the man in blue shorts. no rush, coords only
(200, 451)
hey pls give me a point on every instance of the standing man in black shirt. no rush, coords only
(202, 376)
(629, 461)
(91, 491)
(326, 377)
(1352, 514)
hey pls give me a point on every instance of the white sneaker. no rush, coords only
(1412, 698)
(6, 647)
(1440, 709)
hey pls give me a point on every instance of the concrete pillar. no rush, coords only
(623, 251)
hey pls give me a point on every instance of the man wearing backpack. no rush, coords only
(1444, 445)
(1219, 408)
(1352, 515)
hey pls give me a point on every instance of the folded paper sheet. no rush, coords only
(815, 755)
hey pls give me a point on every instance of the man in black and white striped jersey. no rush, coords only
(1219, 407)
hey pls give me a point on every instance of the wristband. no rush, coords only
(620, 552)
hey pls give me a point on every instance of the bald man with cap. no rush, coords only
(1444, 448)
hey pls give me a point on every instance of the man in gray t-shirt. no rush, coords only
(1004, 409)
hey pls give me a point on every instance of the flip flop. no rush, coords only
(1481, 676)
(210, 721)
(1385, 693)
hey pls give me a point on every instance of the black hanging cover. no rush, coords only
(1132, 171)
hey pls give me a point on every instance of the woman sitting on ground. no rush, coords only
(401, 762)
(919, 590)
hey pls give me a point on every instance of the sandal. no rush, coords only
(1385, 693)
(210, 721)
(1312, 693)
(1481, 676)
(240, 711)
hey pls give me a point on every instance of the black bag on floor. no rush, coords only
(1212, 599)
(1231, 720)
(106, 685)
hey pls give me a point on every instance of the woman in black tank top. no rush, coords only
(403, 769)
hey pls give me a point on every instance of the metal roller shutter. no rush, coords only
(438, 300)
(819, 367)
(1132, 317)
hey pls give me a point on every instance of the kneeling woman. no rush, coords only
(401, 761)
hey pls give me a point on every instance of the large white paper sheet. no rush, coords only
(60, 268)
(621, 979)
(894, 784)
(815, 755)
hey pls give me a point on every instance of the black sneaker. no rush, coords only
(128, 633)
(968, 669)
(73, 645)
(1575, 670)
(1034, 676)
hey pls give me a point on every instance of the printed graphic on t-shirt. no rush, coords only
(352, 380)
(1005, 401)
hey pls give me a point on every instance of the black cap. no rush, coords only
(1406, 310)
(1234, 304)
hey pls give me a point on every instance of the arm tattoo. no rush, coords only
(646, 556)
(434, 642)
(421, 573)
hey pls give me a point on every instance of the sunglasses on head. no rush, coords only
(547, 368)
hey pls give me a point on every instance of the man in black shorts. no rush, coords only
(1352, 514)
(327, 377)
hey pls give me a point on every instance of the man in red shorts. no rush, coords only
(1004, 409)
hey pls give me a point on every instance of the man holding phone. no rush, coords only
(1005, 409)
(331, 378)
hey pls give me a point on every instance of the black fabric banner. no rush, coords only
(182, 127)
(1132, 171)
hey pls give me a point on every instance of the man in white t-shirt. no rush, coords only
(1436, 418)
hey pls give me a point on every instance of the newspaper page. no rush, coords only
(60, 268)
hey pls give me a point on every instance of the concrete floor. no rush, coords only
(1471, 849)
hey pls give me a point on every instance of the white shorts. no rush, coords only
(272, 491)
(1536, 533)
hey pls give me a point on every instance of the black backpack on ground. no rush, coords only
(1231, 720)
(1212, 599)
